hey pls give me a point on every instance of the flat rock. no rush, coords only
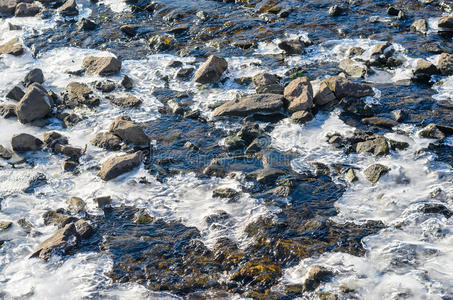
(343, 87)
(260, 103)
(211, 70)
(126, 101)
(129, 131)
(107, 140)
(374, 172)
(101, 65)
(381, 122)
(119, 165)
(12, 47)
(25, 142)
(60, 243)
(266, 83)
(431, 131)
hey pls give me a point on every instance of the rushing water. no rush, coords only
(411, 258)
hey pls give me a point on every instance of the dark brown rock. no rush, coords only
(107, 140)
(119, 165)
(129, 131)
(101, 65)
(62, 243)
(211, 70)
(260, 103)
(25, 142)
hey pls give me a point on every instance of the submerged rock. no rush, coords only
(129, 131)
(374, 172)
(211, 70)
(260, 103)
(118, 165)
(25, 142)
(353, 68)
(101, 65)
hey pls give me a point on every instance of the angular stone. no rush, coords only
(301, 117)
(74, 152)
(27, 10)
(127, 82)
(119, 165)
(445, 64)
(324, 95)
(34, 105)
(353, 68)
(101, 65)
(5, 153)
(295, 88)
(5, 225)
(107, 140)
(62, 243)
(266, 83)
(69, 8)
(12, 47)
(33, 76)
(420, 25)
(128, 131)
(53, 138)
(316, 275)
(25, 142)
(56, 218)
(378, 146)
(83, 229)
(374, 172)
(343, 87)
(350, 176)
(15, 93)
(103, 201)
(105, 86)
(8, 7)
(260, 103)
(445, 22)
(8, 110)
(432, 132)
(79, 94)
(69, 164)
(211, 70)
(76, 204)
(425, 67)
(303, 102)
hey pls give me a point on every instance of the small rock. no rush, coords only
(301, 117)
(69, 164)
(425, 67)
(397, 145)
(445, 64)
(324, 95)
(127, 130)
(420, 25)
(76, 204)
(107, 140)
(5, 153)
(380, 122)
(119, 165)
(83, 229)
(350, 176)
(27, 10)
(127, 82)
(211, 70)
(8, 111)
(354, 51)
(5, 225)
(103, 202)
(79, 94)
(445, 22)
(73, 152)
(52, 138)
(12, 47)
(316, 275)
(105, 86)
(267, 175)
(184, 73)
(175, 64)
(127, 101)
(292, 47)
(25, 142)
(62, 242)
(336, 11)
(352, 68)
(377, 146)
(260, 103)
(225, 193)
(33, 76)
(432, 208)
(56, 218)
(15, 93)
(432, 132)
(101, 65)
(69, 8)
(86, 24)
(399, 115)
(343, 87)
(26, 225)
(374, 172)
(267, 84)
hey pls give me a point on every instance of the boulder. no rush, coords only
(292, 46)
(296, 87)
(34, 105)
(57, 218)
(343, 87)
(101, 65)
(127, 82)
(324, 95)
(445, 64)
(425, 67)
(374, 172)
(211, 70)
(79, 94)
(25, 142)
(73, 152)
(69, 8)
(107, 140)
(118, 165)
(33, 76)
(105, 86)
(83, 229)
(431, 131)
(301, 117)
(62, 242)
(304, 101)
(7, 7)
(130, 132)
(260, 103)
(53, 138)
(12, 47)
